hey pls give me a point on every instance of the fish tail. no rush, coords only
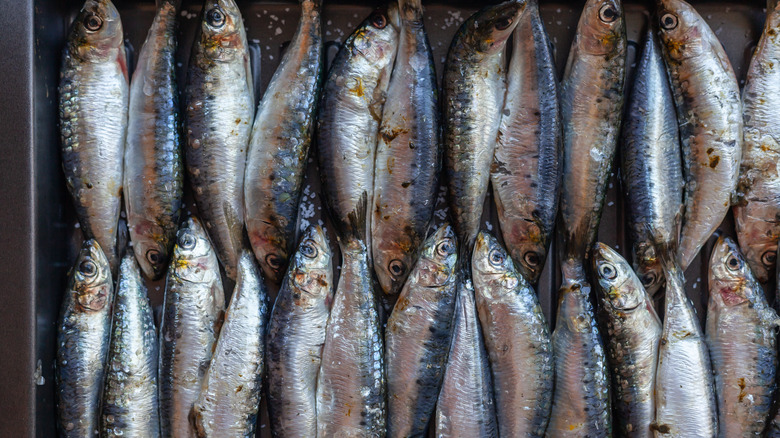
(357, 222)
(316, 3)
(174, 3)
(771, 5)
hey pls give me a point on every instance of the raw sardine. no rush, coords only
(296, 335)
(218, 115)
(192, 314)
(153, 164)
(83, 333)
(417, 338)
(517, 339)
(93, 120)
(279, 146)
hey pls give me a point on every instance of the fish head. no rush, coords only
(681, 30)
(311, 269)
(493, 269)
(759, 243)
(648, 267)
(152, 244)
(488, 30)
(438, 257)
(393, 259)
(376, 39)
(620, 289)
(601, 29)
(530, 248)
(731, 279)
(222, 30)
(97, 31)
(270, 246)
(91, 279)
(194, 258)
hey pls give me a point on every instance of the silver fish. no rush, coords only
(130, 404)
(418, 334)
(756, 214)
(709, 114)
(652, 165)
(218, 102)
(153, 174)
(633, 331)
(351, 389)
(279, 146)
(526, 170)
(349, 114)
(296, 335)
(230, 394)
(517, 339)
(192, 315)
(466, 407)
(93, 100)
(473, 91)
(407, 156)
(684, 392)
(591, 109)
(773, 428)
(83, 333)
(741, 336)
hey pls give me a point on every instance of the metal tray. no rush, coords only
(37, 223)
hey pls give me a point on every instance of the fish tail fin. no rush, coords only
(410, 9)
(175, 3)
(771, 5)
(317, 4)
(357, 229)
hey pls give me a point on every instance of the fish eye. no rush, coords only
(187, 241)
(445, 248)
(608, 14)
(215, 17)
(669, 21)
(93, 23)
(769, 258)
(733, 263)
(504, 23)
(496, 258)
(308, 249)
(88, 268)
(378, 20)
(153, 256)
(608, 271)
(397, 267)
(532, 259)
(274, 261)
(648, 279)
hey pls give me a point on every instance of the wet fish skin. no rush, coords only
(351, 385)
(473, 90)
(581, 402)
(418, 335)
(709, 113)
(773, 427)
(279, 146)
(153, 168)
(517, 339)
(526, 169)
(756, 215)
(741, 337)
(296, 335)
(591, 108)
(192, 315)
(93, 97)
(130, 404)
(466, 406)
(231, 391)
(350, 110)
(408, 155)
(684, 372)
(218, 115)
(633, 331)
(83, 332)
(652, 165)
